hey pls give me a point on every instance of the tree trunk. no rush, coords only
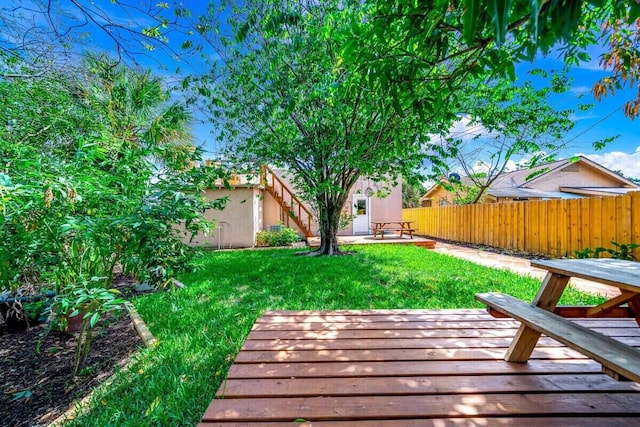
(329, 222)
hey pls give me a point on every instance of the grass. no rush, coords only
(202, 327)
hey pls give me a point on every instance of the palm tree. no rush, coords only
(138, 111)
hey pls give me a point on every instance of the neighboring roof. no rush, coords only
(598, 191)
(519, 177)
(528, 193)
(515, 184)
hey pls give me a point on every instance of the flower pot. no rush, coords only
(74, 323)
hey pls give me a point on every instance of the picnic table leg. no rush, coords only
(634, 304)
(526, 338)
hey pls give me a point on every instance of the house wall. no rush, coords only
(575, 175)
(437, 196)
(273, 215)
(238, 223)
(579, 174)
(251, 209)
(387, 208)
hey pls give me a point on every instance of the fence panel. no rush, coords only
(555, 228)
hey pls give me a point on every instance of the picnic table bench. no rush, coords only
(542, 316)
(402, 227)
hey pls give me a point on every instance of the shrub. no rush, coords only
(285, 237)
(620, 251)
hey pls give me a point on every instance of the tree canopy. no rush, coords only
(504, 121)
(286, 98)
(401, 42)
(79, 191)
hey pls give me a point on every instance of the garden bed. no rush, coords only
(36, 384)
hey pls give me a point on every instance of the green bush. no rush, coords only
(285, 237)
(620, 251)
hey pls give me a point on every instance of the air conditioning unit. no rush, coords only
(276, 228)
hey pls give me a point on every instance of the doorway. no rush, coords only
(361, 207)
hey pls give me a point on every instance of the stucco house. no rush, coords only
(563, 179)
(268, 200)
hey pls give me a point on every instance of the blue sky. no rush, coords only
(604, 120)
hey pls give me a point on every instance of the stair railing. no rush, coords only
(292, 207)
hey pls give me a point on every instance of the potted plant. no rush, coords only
(82, 306)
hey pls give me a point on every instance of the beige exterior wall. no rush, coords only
(438, 197)
(573, 175)
(238, 223)
(576, 175)
(387, 208)
(273, 215)
(251, 209)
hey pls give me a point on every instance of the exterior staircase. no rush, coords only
(292, 208)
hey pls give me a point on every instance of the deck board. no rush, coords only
(415, 367)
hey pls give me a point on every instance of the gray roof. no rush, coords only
(521, 177)
(608, 190)
(527, 193)
(516, 184)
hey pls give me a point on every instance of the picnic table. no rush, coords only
(403, 227)
(618, 360)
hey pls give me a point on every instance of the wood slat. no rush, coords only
(612, 354)
(420, 406)
(371, 368)
(405, 368)
(363, 344)
(615, 272)
(421, 385)
(380, 334)
(367, 316)
(579, 312)
(313, 356)
(404, 333)
(600, 421)
(421, 325)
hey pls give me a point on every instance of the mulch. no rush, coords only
(495, 250)
(36, 386)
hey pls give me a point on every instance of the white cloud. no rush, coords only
(580, 90)
(627, 163)
(466, 129)
(576, 117)
(480, 167)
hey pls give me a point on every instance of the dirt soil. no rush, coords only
(36, 386)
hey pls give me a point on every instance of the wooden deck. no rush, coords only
(416, 368)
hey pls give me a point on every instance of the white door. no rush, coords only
(361, 214)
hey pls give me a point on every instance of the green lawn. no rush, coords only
(201, 328)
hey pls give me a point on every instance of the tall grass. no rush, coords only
(202, 327)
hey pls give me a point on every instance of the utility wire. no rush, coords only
(595, 124)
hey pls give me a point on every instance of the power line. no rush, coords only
(595, 124)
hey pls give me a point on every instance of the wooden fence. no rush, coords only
(555, 228)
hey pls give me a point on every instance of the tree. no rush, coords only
(46, 32)
(504, 122)
(411, 194)
(286, 99)
(402, 41)
(623, 58)
(79, 191)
